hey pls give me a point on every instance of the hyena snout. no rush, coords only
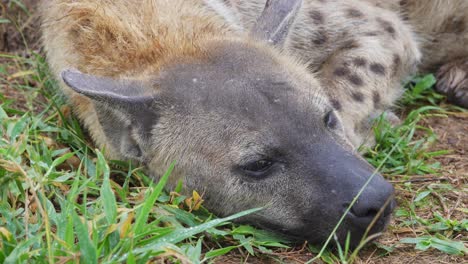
(372, 210)
(347, 178)
(374, 206)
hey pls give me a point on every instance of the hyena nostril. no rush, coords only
(361, 212)
(370, 210)
(371, 213)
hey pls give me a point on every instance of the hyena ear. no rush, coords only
(125, 110)
(276, 20)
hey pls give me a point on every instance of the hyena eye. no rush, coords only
(258, 168)
(331, 120)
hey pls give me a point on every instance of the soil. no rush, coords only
(452, 134)
(24, 20)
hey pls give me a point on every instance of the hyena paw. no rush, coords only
(452, 80)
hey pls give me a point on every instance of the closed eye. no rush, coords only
(258, 168)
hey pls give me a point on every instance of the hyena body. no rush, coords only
(362, 51)
(259, 104)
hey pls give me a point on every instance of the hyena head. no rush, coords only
(247, 128)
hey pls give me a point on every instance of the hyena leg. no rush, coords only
(453, 81)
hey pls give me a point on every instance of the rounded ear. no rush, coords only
(105, 89)
(275, 22)
(124, 109)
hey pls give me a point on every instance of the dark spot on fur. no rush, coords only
(387, 26)
(320, 37)
(404, 14)
(372, 34)
(350, 44)
(396, 64)
(341, 71)
(390, 30)
(355, 79)
(354, 13)
(356, 128)
(317, 16)
(396, 59)
(359, 62)
(357, 96)
(455, 25)
(343, 34)
(336, 104)
(298, 43)
(376, 99)
(377, 68)
(313, 66)
(299, 46)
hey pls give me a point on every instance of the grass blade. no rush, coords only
(107, 196)
(142, 215)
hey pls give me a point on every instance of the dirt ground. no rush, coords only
(452, 134)
(23, 29)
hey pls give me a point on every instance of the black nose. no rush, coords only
(370, 203)
(369, 209)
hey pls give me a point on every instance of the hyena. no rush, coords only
(261, 103)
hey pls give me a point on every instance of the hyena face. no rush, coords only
(248, 129)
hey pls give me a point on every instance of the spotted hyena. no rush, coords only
(261, 103)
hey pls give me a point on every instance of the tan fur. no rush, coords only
(120, 37)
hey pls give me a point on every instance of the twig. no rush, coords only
(458, 114)
(247, 258)
(449, 214)
(371, 255)
(421, 180)
(441, 200)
